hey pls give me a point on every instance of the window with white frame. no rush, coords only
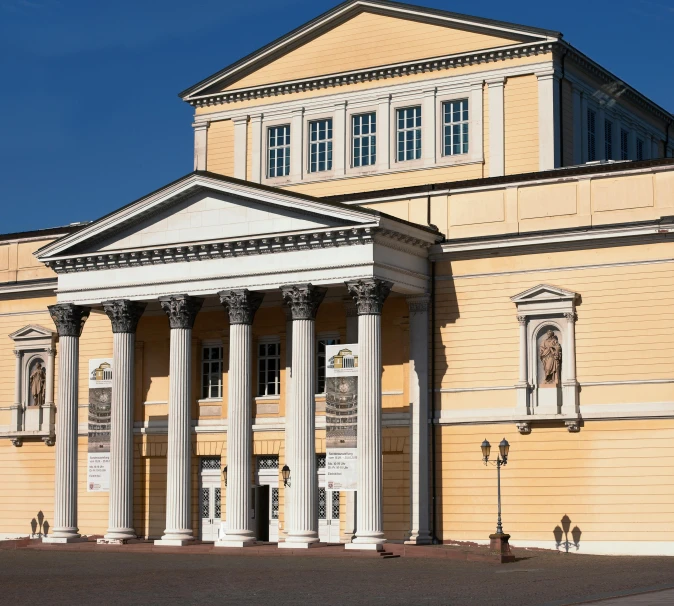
(364, 134)
(321, 361)
(278, 151)
(269, 368)
(624, 144)
(640, 149)
(591, 135)
(455, 127)
(320, 145)
(608, 139)
(211, 371)
(408, 128)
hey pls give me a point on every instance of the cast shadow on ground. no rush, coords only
(562, 535)
(39, 527)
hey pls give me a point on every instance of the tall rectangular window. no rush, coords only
(455, 127)
(278, 151)
(624, 144)
(269, 369)
(320, 145)
(321, 362)
(364, 139)
(640, 149)
(409, 133)
(211, 371)
(591, 135)
(608, 140)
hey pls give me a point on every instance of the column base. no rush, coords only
(419, 539)
(234, 543)
(365, 546)
(63, 540)
(173, 542)
(288, 545)
(117, 536)
(105, 541)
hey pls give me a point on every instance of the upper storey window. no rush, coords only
(279, 151)
(591, 135)
(409, 133)
(320, 141)
(365, 139)
(455, 127)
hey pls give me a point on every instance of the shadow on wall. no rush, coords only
(562, 535)
(39, 527)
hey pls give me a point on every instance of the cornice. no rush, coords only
(238, 248)
(382, 72)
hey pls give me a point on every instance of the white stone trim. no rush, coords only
(45, 284)
(548, 120)
(496, 126)
(240, 146)
(200, 145)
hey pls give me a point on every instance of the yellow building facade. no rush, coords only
(481, 208)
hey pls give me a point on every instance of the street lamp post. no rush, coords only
(498, 542)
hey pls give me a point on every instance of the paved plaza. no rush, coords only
(537, 578)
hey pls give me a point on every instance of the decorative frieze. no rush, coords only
(69, 318)
(241, 305)
(369, 295)
(181, 310)
(124, 314)
(303, 300)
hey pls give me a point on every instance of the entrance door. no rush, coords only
(209, 498)
(328, 506)
(267, 475)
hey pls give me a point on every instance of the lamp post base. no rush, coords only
(498, 544)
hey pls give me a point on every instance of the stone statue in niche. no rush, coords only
(550, 354)
(38, 379)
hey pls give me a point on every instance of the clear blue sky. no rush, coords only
(89, 114)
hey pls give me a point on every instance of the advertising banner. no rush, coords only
(341, 409)
(100, 398)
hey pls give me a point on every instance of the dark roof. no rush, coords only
(383, 4)
(570, 171)
(37, 233)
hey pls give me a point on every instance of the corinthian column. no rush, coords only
(241, 305)
(181, 311)
(124, 316)
(69, 320)
(369, 296)
(302, 525)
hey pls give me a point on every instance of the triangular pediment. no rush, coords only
(361, 34)
(203, 208)
(544, 293)
(31, 332)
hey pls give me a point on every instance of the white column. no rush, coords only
(577, 127)
(384, 133)
(339, 145)
(297, 145)
(200, 144)
(257, 149)
(48, 408)
(287, 492)
(302, 530)
(69, 320)
(548, 120)
(428, 127)
(241, 305)
(420, 533)
(124, 316)
(350, 521)
(181, 311)
(496, 127)
(523, 383)
(17, 407)
(240, 146)
(369, 296)
(599, 134)
(475, 149)
(569, 382)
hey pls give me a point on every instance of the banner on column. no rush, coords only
(100, 398)
(341, 416)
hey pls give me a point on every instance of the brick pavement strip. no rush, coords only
(97, 575)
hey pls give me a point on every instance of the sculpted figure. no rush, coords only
(37, 383)
(551, 355)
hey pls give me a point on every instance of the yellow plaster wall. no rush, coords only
(368, 40)
(613, 479)
(521, 124)
(220, 147)
(17, 262)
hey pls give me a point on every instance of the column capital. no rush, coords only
(241, 304)
(201, 125)
(521, 319)
(18, 353)
(124, 314)
(419, 303)
(570, 316)
(181, 310)
(303, 300)
(69, 318)
(369, 295)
